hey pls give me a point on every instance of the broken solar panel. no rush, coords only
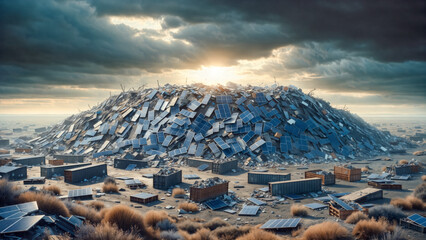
(21, 224)
(257, 144)
(340, 202)
(257, 201)
(249, 210)
(215, 204)
(79, 193)
(18, 210)
(281, 223)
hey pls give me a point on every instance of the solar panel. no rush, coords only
(223, 99)
(18, 210)
(222, 144)
(206, 99)
(249, 210)
(341, 203)
(241, 100)
(167, 141)
(281, 223)
(418, 219)
(214, 148)
(192, 149)
(130, 167)
(223, 111)
(258, 128)
(257, 144)
(189, 136)
(257, 201)
(248, 136)
(158, 104)
(152, 94)
(191, 176)
(246, 116)
(260, 99)
(209, 111)
(194, 105)
(80, 193)
(203, 167)
(200, 125)
(198, 137)
(230, 211)
(215, 204)
(200, 150)
(315, 206)
(294, 196)
(148, 175)
(143, 195)
(19, 224)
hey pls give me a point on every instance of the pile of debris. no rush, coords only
(166, 171)
(264, 123)
(209, 182)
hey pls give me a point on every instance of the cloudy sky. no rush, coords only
(64, 56)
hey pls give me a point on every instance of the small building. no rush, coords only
(385, 184)
(367, 194)
(31, 160)
(347, 173)
(76, 175)
(343, 209)
(144, 198)
(49, 171)
(407, 169)
(266, 178)
(222, 167)
(327, 178)
(295, 186)
(35, 180)
(13, 172)
(56, 162)
(208, 189)
(124, 163)
(166, 178)
(69, 158)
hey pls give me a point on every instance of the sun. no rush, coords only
(212, 75)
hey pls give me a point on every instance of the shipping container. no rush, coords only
(393, 186)
(367, 194)
(76, 175)
(56, 162)
(68, 158)
(23, 150)
(166, 181)
(346, 173)
(30, 161)
(13, 172)
(266, 178)
(197, 194)
(327, 178)
(295, 186)
(4, 142)
(196, 162)
(51, 171)
(124, 163)
(224, 167)
(407, 169)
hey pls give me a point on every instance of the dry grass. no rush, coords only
(299, 210)
(47, 203)
(153, 217)
(109, 188)
(8, 192)
(98, 205)
(189, 207)
(368, 229)
(178, 192)
(189, 226)
(401, 203)
(81, 210)
(104, 232)
(202, 234)
(215, 223)
(364, 169)
(403, 161)
(355, 217)
(110, 180)
(326, 231)
(419, 153)
(424, 177)
(298, 231)
(53, 189)
(384, 168)
(416, 203)
(258, 234)
(126, 219)
(420, 192)
(389, 212)
(230, 232)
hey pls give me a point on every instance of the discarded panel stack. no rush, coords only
(327, 178)
(35, 180)
(166, 178)
(385, 184)
(347, 173)
(76, 175)
(85, 193)
(222, 167)
(295, 186)
(207, 189)
(218, 122)
(52, 171)
(266, 178)
(367, 194)
(407, 169)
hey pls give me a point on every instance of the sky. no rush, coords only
(63, 57)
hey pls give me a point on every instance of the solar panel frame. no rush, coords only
(215, 204)
(19, 224)
(79, 193)
(249, 210)
(281, 223)
(341, 203)
(418, 219)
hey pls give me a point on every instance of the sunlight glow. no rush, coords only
(214, 75)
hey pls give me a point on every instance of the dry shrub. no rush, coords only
(364, 169)
(397, 234)
(126, 219)
(215, 223)
(177, 192)
(104, 232)
(153, 217)
(166, 225)
(367, 229)
(299, 210)
(110, 188)
(416, 203)
(202, 234)
(419, 153)
(355, 217)
(189, 226)
(420, 192)
(189, 207)
(326, 231)
(389, 212)
(401, 203)
(47, 203)
(98, 205)
(230, 232)
(81, 210)
(110, 180)
(258, 234)
(296, 232)
(171, 235)
(424, 177)
(403, 161)
(8, 192)
(53, 189)
(384, 168)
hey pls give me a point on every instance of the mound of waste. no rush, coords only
(263, 123)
